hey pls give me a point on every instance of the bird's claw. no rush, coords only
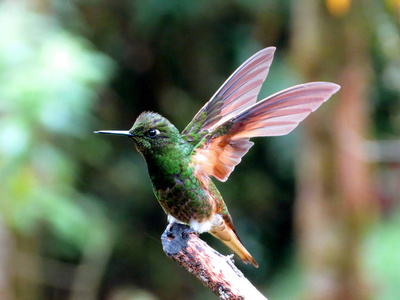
(186, 231)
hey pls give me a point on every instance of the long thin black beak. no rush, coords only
(116, 132)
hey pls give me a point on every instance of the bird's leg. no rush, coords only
(168, 230)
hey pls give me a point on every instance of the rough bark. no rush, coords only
(215, 271)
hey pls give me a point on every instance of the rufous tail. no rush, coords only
(229, 237)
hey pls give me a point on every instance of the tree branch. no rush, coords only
(216, 271)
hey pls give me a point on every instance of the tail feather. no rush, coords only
(229, 237)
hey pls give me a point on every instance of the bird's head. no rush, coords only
(151, 132)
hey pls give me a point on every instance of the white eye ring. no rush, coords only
(153, 132)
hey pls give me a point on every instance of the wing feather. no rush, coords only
(223, 148)
(238, 92)
(280, 113)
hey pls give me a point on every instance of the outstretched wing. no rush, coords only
(222, 149)
(238, 92)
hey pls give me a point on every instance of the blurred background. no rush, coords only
(318, 209)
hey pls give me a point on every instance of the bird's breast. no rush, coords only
(185, 197)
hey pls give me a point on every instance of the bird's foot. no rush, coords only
(183, 230)
(186, 231)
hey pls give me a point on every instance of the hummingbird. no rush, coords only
(181, 165)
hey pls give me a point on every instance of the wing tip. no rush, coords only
(333, 87)
(269, 49)
(265, 51)
(328, 89)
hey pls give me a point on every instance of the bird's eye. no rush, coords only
(153, 132)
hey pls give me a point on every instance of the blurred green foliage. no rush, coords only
(380, 259)
(70, 67)
(48, 82)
